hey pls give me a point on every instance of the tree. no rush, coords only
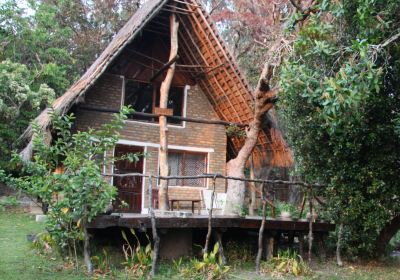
(35, 39)
(19, 100)
(79, 192)
(252, 28)
(265, 98)
(58, 40)
(264, 94)
(340, 108)
(48, 43)
(164, 91)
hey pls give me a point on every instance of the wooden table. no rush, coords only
(193, 201)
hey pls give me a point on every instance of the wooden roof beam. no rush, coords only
(186, 3)
(164, 68)
(172, 7)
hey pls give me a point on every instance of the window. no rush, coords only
(183, 163)
(144, 97)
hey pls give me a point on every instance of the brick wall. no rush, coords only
(107, 93)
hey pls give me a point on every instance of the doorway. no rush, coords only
(129, 199)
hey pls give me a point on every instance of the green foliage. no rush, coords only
(238, 252)
(282, 206)
(340, 108)
(8, 202)
(395, 241)
(19, 100)
(102, 263)
(211, 267)
(58, 40)
(138, 258)
(79, 193)
(38, 40)
(287, 262)
(235, 131)
(44, 47)
(43, 243)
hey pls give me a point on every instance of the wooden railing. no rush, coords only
(308, 193)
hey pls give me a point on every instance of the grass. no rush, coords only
(19, 261)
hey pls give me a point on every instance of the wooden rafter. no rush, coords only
(206, 88)
(215, 52)
(222, 92)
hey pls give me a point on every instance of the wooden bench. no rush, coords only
(193, 201)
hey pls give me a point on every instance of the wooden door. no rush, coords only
(129, 188)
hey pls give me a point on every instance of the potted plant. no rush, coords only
(285, 210)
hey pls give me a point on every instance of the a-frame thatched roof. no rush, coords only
(225, 87)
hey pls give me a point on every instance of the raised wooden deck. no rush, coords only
(138, 221)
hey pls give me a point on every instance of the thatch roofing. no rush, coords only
(200, 44)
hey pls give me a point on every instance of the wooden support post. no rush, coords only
(218, 235)
(164, 90)
(261, 232)
(270, 247)
(210, 211)
(301, 244)
(291, 238)
(321, 246)
(156, 238)
(310, 232)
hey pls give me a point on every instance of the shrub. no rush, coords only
(210, 268)
(287, 262)
(8, 202)
(137, 258)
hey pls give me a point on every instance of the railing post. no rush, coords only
(261, 231)
(156, 238)
(206, 245)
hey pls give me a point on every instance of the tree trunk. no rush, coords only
(338, 244)
(264, 101)
(386, 234)
(164, 90)
(253, 193)
(86, 250)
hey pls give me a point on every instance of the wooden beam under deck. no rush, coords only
(140, 221)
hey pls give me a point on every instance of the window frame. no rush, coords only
(185, 89)
(206, 166)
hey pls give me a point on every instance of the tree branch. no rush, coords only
(297, 6)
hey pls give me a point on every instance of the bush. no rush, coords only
(138, 258)
(286, 263)
(8, 202)
(210, 268)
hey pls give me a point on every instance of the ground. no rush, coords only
(18, 260)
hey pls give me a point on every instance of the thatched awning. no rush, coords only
(226, 88)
